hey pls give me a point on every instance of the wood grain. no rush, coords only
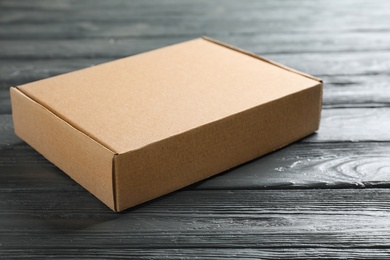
(208, 253)
(331, 165)
(336, 165)
(356, 91)
(214, 16)
(119, 47)
(76, 38)
(310, 163)
(324, 197)
(280, 222)
(353, 125)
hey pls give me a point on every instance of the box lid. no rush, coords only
(132, 102)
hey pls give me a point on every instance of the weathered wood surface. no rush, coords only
(349, 150)
(301, 165)
(326, 196)
(217, 224)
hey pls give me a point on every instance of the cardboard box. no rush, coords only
(140, 127)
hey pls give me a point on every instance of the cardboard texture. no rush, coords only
(140, 127)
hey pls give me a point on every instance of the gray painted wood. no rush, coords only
(353, 158)
(326, 196)
(215, 253)
(304, 166)
(274, 43)
(280, 222)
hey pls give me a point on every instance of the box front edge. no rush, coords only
(83, 159)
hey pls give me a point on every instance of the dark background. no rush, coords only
(325, 196)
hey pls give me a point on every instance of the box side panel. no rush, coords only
(83, 159)
(183, 159)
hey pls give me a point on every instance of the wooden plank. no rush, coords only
(353, 125)
(310, 163)
(324, 165)
(272, 220)
(103, 39)
(356, 91)
(280, 44)
(226, 20)
(337, 64)
(263, 209)
(210, 15)
(208, 253)
(89, 48)
(148, 26)
(337, 165)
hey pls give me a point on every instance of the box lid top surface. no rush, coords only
(132, 102)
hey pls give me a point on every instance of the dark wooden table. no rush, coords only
(326, 196)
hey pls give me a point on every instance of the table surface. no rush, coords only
(326, 196)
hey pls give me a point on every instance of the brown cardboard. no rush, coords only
(139, 127)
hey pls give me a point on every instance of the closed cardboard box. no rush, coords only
(140, 127)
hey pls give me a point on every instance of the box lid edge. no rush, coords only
(63, 119)
(260, 58)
